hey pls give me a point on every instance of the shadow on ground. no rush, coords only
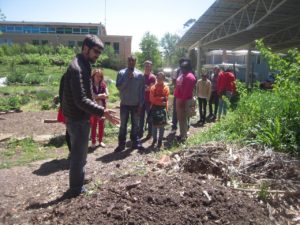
(53, 166)
(115, 156)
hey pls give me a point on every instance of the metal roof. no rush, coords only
(233, 24)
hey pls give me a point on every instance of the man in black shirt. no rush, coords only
(78, 106)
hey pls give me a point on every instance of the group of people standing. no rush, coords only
(213, 89)
(144, 99)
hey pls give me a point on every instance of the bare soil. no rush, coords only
(209, 184)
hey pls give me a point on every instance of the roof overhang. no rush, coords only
(236, 24)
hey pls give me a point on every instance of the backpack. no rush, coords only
(158, 115)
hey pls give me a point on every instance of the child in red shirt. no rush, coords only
(100, 94)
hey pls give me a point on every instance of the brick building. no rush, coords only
(55, 33)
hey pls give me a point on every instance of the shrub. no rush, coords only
(45, 106)
(43, 95)
(15, 78)
(13, 102)
(32, 79)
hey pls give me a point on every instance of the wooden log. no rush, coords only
(50, 121)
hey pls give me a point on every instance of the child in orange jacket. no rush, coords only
(159, 94)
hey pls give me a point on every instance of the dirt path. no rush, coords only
(46, 180)
(126, 187)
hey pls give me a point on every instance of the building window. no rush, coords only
(68, 30)
(35, 30)
(84, 30)
(51, 30)
(116, 47)
(3, 28)
(93, 31)
(71, 44)
(43, 30)
(19, 29)
(60, 30)
(44, 42)
(10, 29)
(35, 42)
(27, 29)
(76, 30)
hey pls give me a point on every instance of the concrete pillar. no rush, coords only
(199, 59)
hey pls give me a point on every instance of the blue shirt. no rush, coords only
(131, 90)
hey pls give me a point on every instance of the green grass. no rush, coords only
(27, 89)
(28, 98)
(22, 152)
(39, 97)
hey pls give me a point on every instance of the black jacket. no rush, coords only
(77, 103)
(61, 89)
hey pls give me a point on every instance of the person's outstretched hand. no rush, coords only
(111, 117)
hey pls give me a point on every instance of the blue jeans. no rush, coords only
(125, 111)
(145, 110)
(174, 116)
(161, 133)
(79, 132)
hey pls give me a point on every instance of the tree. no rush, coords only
(168, 43)
(109, 59)
(150, 51)
(171, 52)
(2, 16)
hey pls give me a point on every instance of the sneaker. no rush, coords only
(102, 145)
(153, 142)
(181, 139)
(93, 145)
(73, 194)
(209, 116)
(87, 180)
(119, 148)
(137, 146)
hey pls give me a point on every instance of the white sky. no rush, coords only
(128, 17)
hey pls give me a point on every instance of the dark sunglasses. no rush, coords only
(97, 51)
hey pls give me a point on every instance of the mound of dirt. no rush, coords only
(183, 198)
